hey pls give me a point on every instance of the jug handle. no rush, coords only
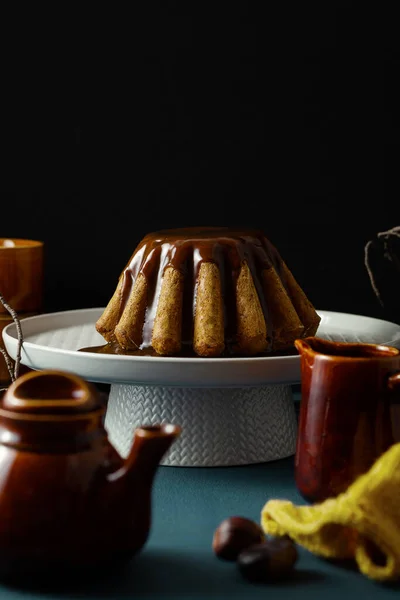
(394, 386)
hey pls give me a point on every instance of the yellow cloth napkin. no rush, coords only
(344, 527)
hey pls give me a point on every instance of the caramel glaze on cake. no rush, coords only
(213, 291)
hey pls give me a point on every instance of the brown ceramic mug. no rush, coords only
(21, 274)
(349, 412)
(21, 283)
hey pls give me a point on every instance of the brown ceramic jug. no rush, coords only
(349, 412)
(67, 498)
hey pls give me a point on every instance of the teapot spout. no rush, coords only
(150, 443)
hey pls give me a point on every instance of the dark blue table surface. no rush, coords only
(177, 561)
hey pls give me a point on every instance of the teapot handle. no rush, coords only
(394, 386)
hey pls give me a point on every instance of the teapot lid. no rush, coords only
(51, 392)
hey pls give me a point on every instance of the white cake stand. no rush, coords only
(233, 411)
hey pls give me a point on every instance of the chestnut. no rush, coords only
(271, 560)
(235, 534)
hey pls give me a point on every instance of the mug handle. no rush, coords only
(394, 386)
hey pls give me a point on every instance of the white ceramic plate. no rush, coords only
(52, 341)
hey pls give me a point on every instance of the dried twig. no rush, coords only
(13, 374)
(8, 363)
(382, 261)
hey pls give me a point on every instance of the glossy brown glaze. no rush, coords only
(349, 412)
(67, 499)
(186, 249)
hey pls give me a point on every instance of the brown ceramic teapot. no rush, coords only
(67, 498)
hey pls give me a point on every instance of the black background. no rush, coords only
(285, 119)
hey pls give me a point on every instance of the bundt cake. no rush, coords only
(213, 291)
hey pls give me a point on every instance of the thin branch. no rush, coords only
(9, 362)
(14, 375)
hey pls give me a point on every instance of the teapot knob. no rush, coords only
(51, 392)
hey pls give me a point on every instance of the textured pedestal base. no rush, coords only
(220, 426)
